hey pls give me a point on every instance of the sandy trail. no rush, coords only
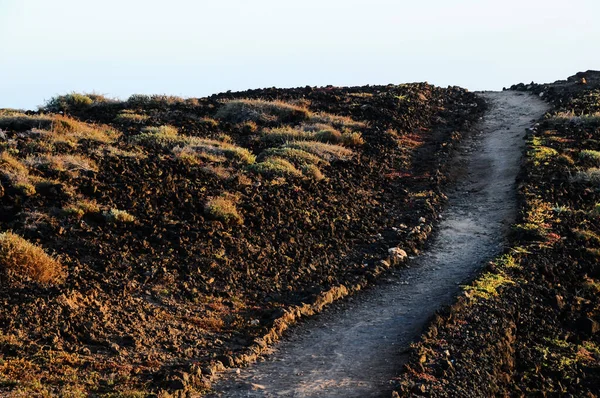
(355, 347)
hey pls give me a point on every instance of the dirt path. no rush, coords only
(355, 348)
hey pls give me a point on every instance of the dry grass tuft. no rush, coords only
(223, 208)
(118, 216)
(244, 110)
(352, 139)
(71, 131)
(187, 147)
(296, 156)
(21, 258)
(325, 151)
(313, 172)
(339, 122)
(276, 167)
(285, 134)
(129, 116)
(72, 164)
(22, 122)
(220, 172)
(17, 174)
(82, 207)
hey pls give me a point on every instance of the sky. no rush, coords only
(194, 48)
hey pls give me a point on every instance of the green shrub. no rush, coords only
(74, 102)
(590, 156)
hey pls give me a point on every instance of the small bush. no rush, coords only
(17, 174)
(220, 172)
(339, 122)
(20, 258)
(313, 172)
(487, 285)
(590, 156)
(275, 167)
(353, 139)
(82, 207)
(22, 122)
(591, 119)
(129, 116)
(71, 131)
(244, 110)
(223, 208)
(205, 148)
(285, 134)
(73, 164)
(329, 135)
(325, 151)
(541, 154)
(74, 102)
(118, 216)
(209, 122)
(296, 156)
(590, 176)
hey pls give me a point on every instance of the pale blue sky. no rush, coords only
(196, 48)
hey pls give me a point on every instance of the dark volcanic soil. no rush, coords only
(355, 348)
(158, 300)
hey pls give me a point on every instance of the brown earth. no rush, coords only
(154, 302)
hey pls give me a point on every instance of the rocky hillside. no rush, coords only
(146, 243)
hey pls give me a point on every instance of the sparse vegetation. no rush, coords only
(487, 285)
(82, 207)
(187, 147)
(285, 134)
(325, 151)
(274, 166)
(16, 173)
(129, 116)
(74, 102)
(590, 176)
(244, 110)
(22, 259)
(118, 216)
(590, 156)
(223, 208)
(73, 164)
(22, 122)
(340, 122)
(296, 156)
(71, 131)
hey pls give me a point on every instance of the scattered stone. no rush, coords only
(397, 255)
